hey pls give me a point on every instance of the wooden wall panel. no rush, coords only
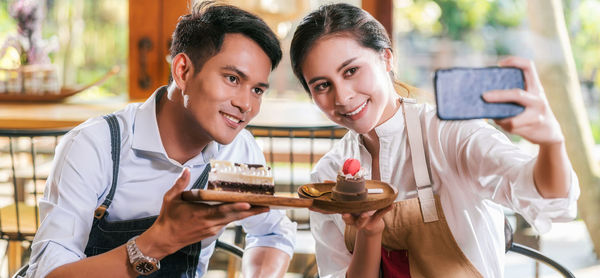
(383, 11)
(151, 23)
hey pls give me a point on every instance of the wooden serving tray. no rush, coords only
(373, 202)
(196, 195)
(64, 92)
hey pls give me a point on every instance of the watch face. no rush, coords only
(145, 267)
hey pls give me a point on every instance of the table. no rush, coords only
(274, 112)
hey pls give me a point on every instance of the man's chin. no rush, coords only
(226, 139)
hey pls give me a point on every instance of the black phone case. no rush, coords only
(458, 92)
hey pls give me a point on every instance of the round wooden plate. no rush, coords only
(373, 202)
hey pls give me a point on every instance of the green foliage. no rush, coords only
(458, 18)
(595, 124)
(7, 24)
(584, 29)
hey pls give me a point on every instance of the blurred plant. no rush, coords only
(28, 40)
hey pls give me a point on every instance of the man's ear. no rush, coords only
(181, 69)
(388, 59)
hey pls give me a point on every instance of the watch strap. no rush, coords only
(136, 255)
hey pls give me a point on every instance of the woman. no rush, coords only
(452, 176)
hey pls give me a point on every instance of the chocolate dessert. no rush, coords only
(350, 184)
(239, 177)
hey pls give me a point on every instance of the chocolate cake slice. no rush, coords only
(239, 177)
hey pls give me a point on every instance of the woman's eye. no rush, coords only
(258, 91)
(350, 71)
(233, 79)
(322, 86)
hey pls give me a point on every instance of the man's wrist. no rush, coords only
(152, 244)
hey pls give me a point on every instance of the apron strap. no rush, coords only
(115, 151)
(419, 161)
(203, 179)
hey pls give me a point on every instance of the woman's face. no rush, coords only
(350, 83)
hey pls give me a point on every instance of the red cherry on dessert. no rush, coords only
(351, 166)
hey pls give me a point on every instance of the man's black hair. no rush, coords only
(200, 34)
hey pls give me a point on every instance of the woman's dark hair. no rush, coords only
(336, 19)
(200, 34)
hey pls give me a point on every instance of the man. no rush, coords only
(111, 175)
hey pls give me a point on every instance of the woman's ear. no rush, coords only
(388, 58)
(181, 69)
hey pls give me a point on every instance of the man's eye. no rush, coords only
(351, 71)
(258, 91)
(232, 79)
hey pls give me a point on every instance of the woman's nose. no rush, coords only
(343, 95)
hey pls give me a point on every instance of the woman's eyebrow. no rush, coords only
(347, 62)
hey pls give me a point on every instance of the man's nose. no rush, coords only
(242, 101)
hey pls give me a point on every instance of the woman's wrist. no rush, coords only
(370, 234)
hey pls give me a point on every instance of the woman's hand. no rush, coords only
(536, 123)
(181, 223)
(368, 223)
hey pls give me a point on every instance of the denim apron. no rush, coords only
(106, 235)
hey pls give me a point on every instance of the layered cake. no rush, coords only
(350, 183)
(239, 177)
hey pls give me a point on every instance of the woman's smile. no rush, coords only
(358, 112)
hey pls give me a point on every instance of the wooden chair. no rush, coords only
(536, 255)
(19, 218)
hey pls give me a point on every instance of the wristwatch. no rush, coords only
(142, 264)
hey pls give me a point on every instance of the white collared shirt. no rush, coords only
(475, 170)
(81, 177)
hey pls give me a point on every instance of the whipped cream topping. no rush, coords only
(360, 174)
(222, 170)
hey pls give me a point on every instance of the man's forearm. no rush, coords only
(265, 262)
(114, 263)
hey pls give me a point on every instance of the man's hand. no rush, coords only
(536, 123)
(181, 223)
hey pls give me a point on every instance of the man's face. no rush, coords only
(225, 94)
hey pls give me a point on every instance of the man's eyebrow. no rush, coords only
(345, 63)
(237, 71)
(243, 75)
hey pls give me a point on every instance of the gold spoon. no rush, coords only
(313, 192)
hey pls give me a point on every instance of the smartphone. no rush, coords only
(458, 92)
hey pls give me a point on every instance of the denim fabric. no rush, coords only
(106, 235)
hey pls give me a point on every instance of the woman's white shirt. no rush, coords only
(475, 170)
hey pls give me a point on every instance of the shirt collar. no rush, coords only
(394, 125)
(146, 136)
(145, 128)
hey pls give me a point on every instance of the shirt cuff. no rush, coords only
(280, 242)
(537, 210)
(47, 256)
